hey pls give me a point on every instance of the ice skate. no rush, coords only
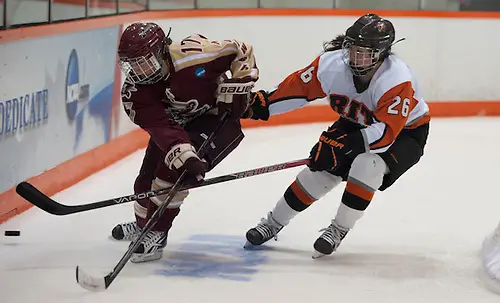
(329, 240)
(126, 231)
(267, 229)
(150, 248)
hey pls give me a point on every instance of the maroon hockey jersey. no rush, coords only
(198, 64)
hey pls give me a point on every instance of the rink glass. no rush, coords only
(17, 13)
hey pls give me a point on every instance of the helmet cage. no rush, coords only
(144, 69)
(360, 59)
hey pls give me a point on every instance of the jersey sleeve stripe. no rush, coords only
(286, 106)
(204, 57)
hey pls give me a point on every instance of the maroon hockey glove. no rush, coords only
(336, 150)
(183, 157)
(233, 95)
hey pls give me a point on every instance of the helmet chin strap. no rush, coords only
(357, 72)
(168, 40)
(166, 69)
(360, 72)
(167, 61)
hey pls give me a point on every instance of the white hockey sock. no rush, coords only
(283, 213)
(347, 217)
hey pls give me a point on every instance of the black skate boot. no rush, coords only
(267, 229)
(126, 231)
(329, 240)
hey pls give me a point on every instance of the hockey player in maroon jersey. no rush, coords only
(176, 91)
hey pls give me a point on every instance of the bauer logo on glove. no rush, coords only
(331, 141)
(335, 149)
(235, 88)
(233, 95)
(173, 154)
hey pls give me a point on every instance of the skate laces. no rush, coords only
(268, 227)
(129, 229)
(153, 238)
(333, 234)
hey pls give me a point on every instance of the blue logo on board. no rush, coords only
(75, 92)
(78, 99)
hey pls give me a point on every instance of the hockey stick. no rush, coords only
(100, 284)
(39, 199)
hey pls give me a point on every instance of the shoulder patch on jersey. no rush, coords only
(200, 72)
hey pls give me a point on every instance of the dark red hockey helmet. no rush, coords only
(141, 53)
(367, 42)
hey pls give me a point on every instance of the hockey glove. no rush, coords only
(183, 157)
(259, 107)
(233, 95)
(336, 150)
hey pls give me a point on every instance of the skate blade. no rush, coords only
(125, 239)
(316, 255)
(141, 258)
(249, 246)
(114, 239)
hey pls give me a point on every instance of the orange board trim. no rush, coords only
(75, 170)
(100, 22)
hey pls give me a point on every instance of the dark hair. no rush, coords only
(334, 44)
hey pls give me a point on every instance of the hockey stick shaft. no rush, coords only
(37, 198)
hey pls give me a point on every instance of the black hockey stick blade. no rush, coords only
(39, 199)
(42, 201)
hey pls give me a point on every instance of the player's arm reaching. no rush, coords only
(295, 91)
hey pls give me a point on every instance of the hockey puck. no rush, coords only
(12, 233)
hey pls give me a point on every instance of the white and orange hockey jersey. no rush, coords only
(392, 101)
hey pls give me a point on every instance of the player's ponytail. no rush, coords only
(334, 44)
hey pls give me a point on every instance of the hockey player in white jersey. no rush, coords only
(490, 257)
(381, 132)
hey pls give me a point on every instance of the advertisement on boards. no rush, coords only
(56, 100)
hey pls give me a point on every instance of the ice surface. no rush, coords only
(418, 241)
